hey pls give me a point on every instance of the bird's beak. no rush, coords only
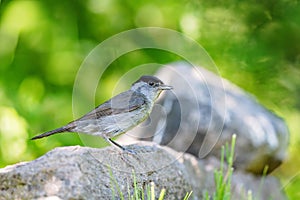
(165, 87)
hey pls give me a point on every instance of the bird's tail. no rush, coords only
(58, 130)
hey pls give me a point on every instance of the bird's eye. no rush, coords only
(151, 83)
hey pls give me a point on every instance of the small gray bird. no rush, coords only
(119, 114)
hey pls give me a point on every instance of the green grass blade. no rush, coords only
(135, 187)
(188, 195)
(115, 183)
(162, 194)
(152, 191)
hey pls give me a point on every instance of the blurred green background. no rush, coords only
(255, 44)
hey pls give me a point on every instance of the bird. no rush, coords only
(118, 114)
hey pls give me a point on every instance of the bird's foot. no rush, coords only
(129, 151)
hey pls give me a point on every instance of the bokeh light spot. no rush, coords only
(13, 134)
(149, 15)
(30, 92)
(190, 25)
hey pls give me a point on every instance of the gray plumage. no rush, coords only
(119, 114)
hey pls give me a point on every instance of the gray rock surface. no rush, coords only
(203, 111)
(89, 173)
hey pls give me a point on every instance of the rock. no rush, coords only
(201, 175)
(84, 173)
(203, 111)
(89, 173)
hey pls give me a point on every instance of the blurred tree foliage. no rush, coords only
(255, 44)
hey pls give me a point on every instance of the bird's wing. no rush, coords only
(124, 102)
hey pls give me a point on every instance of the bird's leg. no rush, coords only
(120, 146)
(115, 144)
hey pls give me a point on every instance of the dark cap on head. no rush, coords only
(147, 79)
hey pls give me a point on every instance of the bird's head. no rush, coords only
(150, 86)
